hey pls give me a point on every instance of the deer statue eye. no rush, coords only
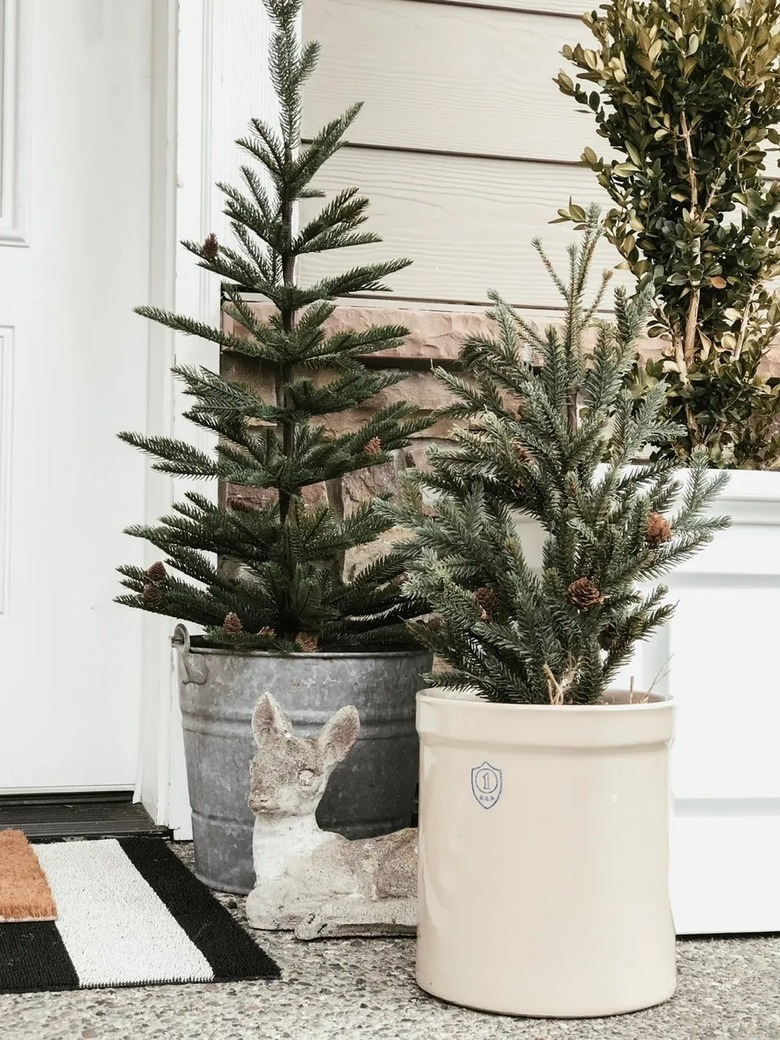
(306, 778)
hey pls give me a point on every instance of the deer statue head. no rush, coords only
(289, 774)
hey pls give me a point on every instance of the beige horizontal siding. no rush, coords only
(572, 8)
(465, 146)
(446, 77)
(466, 223)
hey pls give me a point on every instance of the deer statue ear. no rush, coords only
(339, 734)
(269, 721)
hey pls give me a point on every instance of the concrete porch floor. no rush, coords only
(729, 989)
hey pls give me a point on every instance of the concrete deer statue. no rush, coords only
(316, 883)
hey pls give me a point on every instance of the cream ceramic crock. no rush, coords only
(544, 855)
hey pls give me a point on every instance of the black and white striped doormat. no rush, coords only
(129, 914)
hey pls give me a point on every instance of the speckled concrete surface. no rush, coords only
(729, 990)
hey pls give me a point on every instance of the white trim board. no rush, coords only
(6, 458)
(15, 28)
(210, 79)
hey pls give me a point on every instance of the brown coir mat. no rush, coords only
(24, 891)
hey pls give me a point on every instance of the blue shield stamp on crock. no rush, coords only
(486, 784)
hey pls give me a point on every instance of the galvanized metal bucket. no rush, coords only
(372, 792)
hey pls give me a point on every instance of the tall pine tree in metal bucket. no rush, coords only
(264, 572)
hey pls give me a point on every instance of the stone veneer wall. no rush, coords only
(435, 338)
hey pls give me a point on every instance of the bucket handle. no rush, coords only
(192, 670)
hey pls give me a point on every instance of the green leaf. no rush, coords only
(566, 83)
(633, 152)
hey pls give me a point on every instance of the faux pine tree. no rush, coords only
(560, 444)
(271, 575)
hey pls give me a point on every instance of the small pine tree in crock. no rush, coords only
(553, 436)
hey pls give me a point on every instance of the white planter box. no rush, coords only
(718, 658)
(720, 652)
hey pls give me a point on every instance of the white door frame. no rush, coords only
(208, 80)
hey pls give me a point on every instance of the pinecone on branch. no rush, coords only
(307, 643)
(584, 594)
(211, 247)
(373, 447)
(157, 572)
(267, 633)
(487, 599)
(152, 595)
(658, 530)
(232, 624)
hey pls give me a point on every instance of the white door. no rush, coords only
(74, 259)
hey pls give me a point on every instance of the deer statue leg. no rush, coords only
(269, 907)
(387, 905)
